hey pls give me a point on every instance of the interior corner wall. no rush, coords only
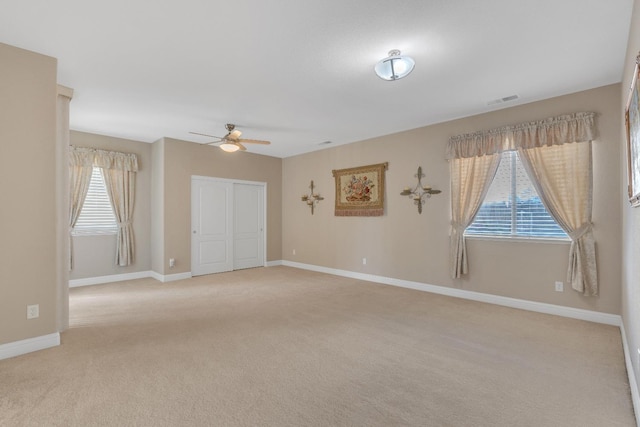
(28, 251)
(182, 160)
(157, 206)
(95, 255)
(630, 216)
(404, 244)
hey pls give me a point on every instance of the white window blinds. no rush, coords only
(512, 208)
(97, 215)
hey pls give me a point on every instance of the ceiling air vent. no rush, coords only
(501, 100)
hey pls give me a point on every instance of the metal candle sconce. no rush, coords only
(312, 198)
(420, 191)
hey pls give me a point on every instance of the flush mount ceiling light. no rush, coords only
(395, 66)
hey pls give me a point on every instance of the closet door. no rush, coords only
(248, 227)
(211, 226)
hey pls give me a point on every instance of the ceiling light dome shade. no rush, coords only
(395, 66)
(229, 147)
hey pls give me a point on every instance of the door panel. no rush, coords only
(211, 222)
(248, 218)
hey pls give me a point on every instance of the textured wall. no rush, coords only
(405, 245)
(184, 159)
(28, 221)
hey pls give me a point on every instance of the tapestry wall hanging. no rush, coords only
(360, 191)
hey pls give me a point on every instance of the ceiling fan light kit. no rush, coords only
(395, 66)
(229, 147)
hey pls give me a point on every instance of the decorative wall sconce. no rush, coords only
(420, 192)
(312, 198)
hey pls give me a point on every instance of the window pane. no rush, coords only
(512, 206)
(97, 215)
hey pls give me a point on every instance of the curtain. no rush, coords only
(556, 153)
(119, 172)
(470, 181)
(561, 174)
(80, 168)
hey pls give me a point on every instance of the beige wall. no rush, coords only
(94, 256)
(405, 245)
(157, 206)
(28, 252)
(630, 216)
(184, 159)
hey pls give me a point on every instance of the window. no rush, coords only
(97, 215)
(512, 207)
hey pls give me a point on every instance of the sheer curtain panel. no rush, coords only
(80, 168)
(119, 171)
(470, 181)
(564, 182)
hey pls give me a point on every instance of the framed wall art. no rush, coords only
(632, 121)
(360, 190)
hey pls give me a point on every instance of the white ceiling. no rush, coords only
(300, 72)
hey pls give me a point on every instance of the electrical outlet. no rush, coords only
(172, 262)
(33, 311)
(294, 251)
(559, 287)
(364, 261)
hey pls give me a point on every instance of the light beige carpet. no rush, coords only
(285, 347)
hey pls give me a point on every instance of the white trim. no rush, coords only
(633, 384)
(273, 263)
(108, 279)
(521, 239)
(18, 348)
(574, 313)
(129, 276)
(171, 277)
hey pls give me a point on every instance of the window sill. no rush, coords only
(521, 239)
(93, 233)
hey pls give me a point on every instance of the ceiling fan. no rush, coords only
(231, 141)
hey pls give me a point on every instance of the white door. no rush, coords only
(248, 218)
(211, 226)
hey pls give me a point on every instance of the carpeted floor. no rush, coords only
(280, 346)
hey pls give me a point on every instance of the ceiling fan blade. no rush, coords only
(255, 141)
(234, 135)
(204, 134)
(242, 147)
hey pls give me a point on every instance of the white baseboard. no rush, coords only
(128, 276)
(108, 279)
(18, 348)
(273, 263)
(171, 277)
(633, 384)
(558, 310)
